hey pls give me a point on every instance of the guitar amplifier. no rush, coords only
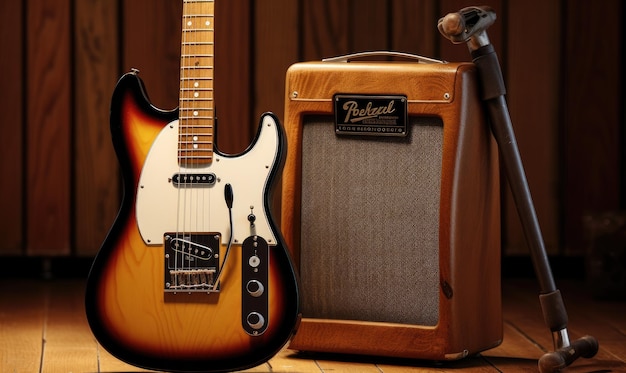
(391, 208)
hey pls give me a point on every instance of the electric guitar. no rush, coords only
(194, 274)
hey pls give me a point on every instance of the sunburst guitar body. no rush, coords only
(194, 274)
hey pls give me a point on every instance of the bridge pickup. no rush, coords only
(191, 262)
(193, 180)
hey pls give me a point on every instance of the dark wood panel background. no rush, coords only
(60, 187)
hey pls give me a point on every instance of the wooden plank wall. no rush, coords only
(60, 188)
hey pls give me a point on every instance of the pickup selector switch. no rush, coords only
(251, 219)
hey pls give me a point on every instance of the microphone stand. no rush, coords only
(469, 26)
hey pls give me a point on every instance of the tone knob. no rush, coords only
(255, 320)
(255, 288)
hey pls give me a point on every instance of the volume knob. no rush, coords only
(255, 320)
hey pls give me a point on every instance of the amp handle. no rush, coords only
(361, 55)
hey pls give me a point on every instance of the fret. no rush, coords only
(191, 93)
(196, 16)
(194, 49)
(205, 117)
(196, 62)
(196, 94)
(196, 130)
(205, 128)
(195, 138)
(194, 85)
(204, 37)
(197, 74)
(197, 118)
(196, 99)
(199, 136)
(201, 124)
(195, 144)
(194, 66)
(196, 155)
(191, 150)
(197, 43)
(186, 70)
(188, 111)
(196, 89)
(194, 69)
(195, 113)
(196, 30)
(188, 43)
(190, 131)
(195, 159)
(203, 22)
(206, 78)
(199, 99)
(198, 55)
(191, 49)
(191, 113)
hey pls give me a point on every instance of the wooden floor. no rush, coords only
(43, 329)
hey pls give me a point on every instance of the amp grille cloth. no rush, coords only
(370, 223)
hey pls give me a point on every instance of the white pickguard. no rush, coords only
(162, 207)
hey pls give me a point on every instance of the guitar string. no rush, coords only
(189, 153)
(210, 28)
(196, 150)
(206, 24)
(191, 156)
(181, 125)
(186, 106)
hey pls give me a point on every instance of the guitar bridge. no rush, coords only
(191, 262)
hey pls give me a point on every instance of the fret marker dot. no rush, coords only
(196, 94)
(196, 84)
(189, 23)
(195, 113)
(208, 23)
(195, 138)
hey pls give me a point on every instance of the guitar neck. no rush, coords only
(196, 104)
